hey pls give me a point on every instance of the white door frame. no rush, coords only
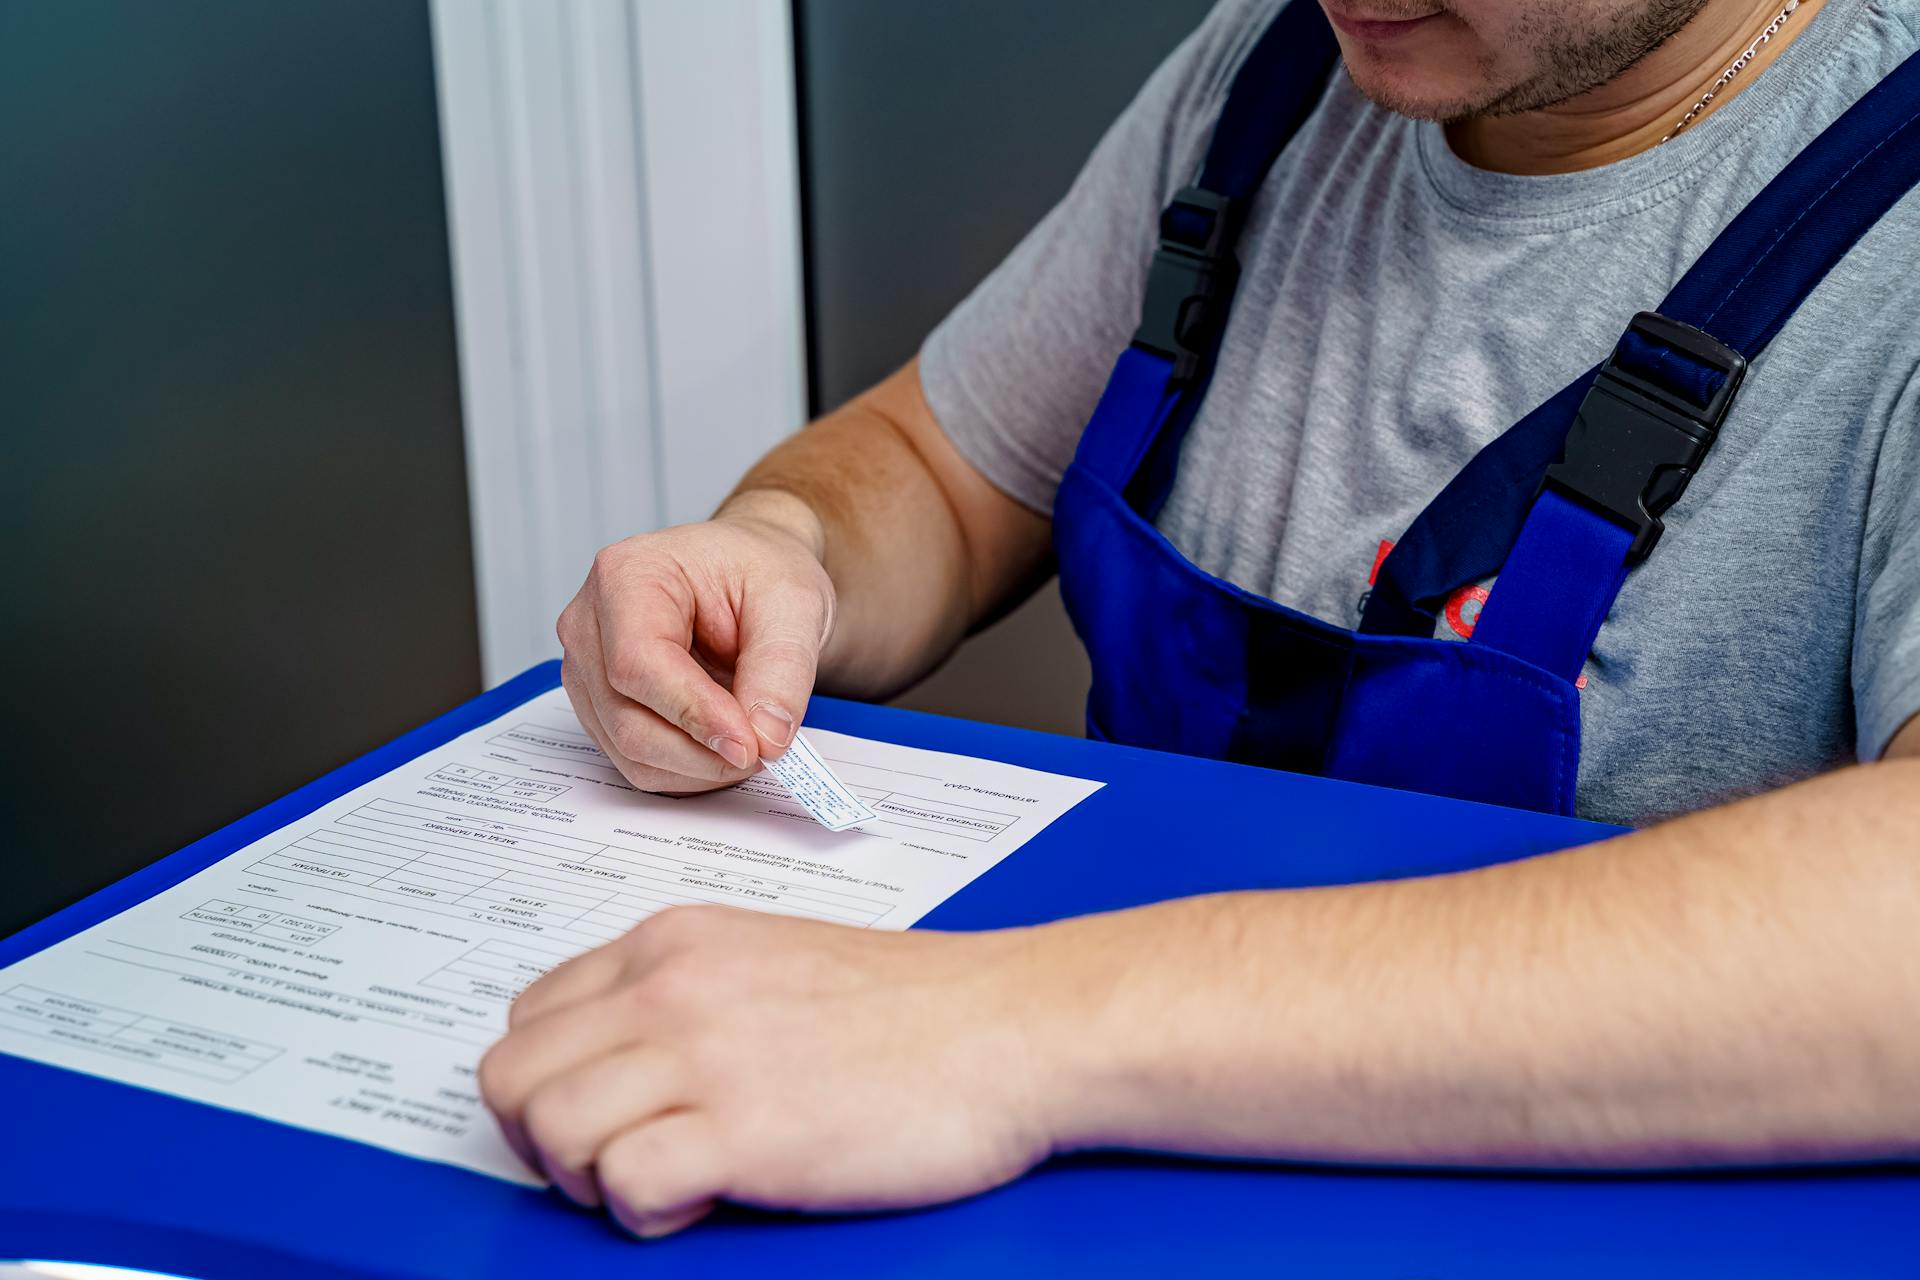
(623, 201)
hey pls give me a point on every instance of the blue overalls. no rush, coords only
(1561, 506)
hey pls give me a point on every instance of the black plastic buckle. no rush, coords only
(1190, 284)
(1636, 441)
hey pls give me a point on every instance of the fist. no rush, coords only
(719, 1054)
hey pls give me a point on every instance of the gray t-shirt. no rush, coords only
(1400, 308)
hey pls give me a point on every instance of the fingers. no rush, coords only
(571, 1117)
(641, 735)
(645, 635)
(569, 983)
(663, 1174)
(580, 679)
(526, 1058)
(781, 633)
(576, 686)
(597, 973)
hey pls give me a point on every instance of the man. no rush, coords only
(1465, 222)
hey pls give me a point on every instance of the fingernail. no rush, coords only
(771, 723)
(732, 750)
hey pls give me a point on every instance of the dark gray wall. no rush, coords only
(231, 477)
(933, 136)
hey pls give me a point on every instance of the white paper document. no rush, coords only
(346, 972)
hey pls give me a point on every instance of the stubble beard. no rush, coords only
(1570, 59)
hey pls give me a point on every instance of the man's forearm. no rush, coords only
(1739, 986)
(895, 559)
(918, 547)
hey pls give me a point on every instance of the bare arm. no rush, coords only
(921, 548)
(1740, 986)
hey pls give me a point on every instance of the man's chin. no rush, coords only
(1418, 96)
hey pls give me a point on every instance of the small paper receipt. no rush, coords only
(803, 773)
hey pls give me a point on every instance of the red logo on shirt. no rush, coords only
(1463, 606)
(1463, 610)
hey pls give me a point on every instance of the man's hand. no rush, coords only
(690, 653)
(1729, 988)
(714, 1053)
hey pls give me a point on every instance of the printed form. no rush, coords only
(346, 972)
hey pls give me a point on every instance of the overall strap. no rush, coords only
(1568, 510)
(1158, 382)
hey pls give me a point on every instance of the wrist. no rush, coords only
(779, 512)
(1070, 993)
(1171, 1026)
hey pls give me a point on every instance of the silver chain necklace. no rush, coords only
(1739, 65)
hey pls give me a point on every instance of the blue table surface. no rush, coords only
(96, 1171)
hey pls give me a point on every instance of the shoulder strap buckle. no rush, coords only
(1646, 424)
(1191, 281)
